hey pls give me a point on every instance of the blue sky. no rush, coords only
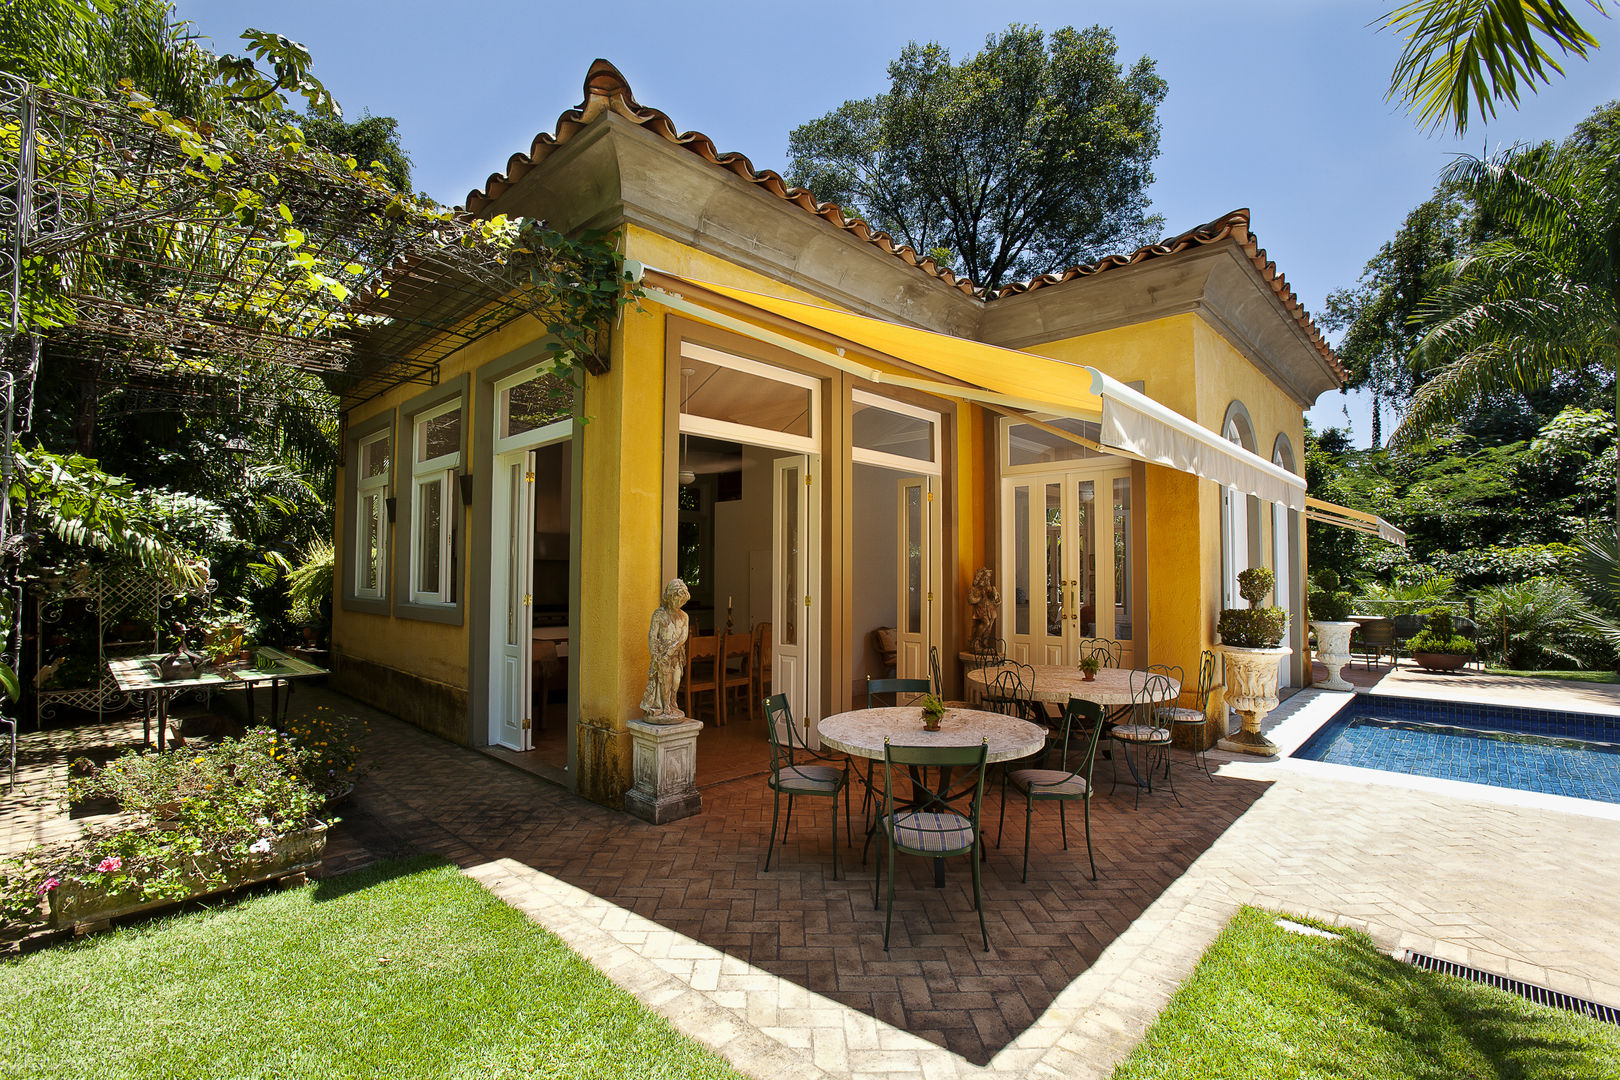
(1274, 105)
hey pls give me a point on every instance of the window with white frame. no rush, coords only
(435, 453)
(374, 462)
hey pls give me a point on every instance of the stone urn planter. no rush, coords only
(87, 907)
(1251, 689)
(1333, 650)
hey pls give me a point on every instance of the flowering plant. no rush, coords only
(328, 749)
(188, 819)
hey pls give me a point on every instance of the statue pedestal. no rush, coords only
(664, 767)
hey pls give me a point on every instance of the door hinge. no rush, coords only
(930, 598)
(807, 601)
(930, 496)
(807, 480)
(528, 598)
(528, 478)
(527, 723)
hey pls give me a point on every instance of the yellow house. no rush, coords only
(826, 435)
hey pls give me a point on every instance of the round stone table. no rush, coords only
(861, 732)
(1057, 683)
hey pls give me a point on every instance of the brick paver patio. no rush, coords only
(785, 972)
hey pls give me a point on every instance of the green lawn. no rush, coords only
(1267, 1003)
(1572, 676)
(408, 969)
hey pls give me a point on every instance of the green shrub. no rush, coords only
(1439, 635)
(1254, 627)
(1531, 623)
(1326, 602)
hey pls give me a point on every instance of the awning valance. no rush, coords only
(1359, 520)
(1133, 424)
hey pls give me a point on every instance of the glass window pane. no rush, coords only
(914, 560)
(441, 435)
(1122, 558)
(739, 397)
(874, 428)
(1021, 560)
(1054, 560)
(1029, 445)
(790, 556)
(428, 538)
(370, 562)
(374, 457)
(542, 400)
(514, 555)
(1085, 504)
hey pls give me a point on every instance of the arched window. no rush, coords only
(1240, 525)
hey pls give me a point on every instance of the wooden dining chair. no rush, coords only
(762, 666)
(703, 674)
(736, 671)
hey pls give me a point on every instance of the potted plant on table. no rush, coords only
(1438, 646)
(1088, 668)
(1251, 643)
(932, 710)
(1330, 618)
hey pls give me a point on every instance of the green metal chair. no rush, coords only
(894, 688)
(1146, 733)
(928, 825)
(1186, 718)
(1107, 651)
(791, 775)
(1061, 785)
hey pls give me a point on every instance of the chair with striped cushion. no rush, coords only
(927, 825)
(797, 771)
(1062, 785)
(1145, 733)
(900, 692)
(1185, 718)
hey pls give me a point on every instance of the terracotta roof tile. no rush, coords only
(606, 90)
(1235, 226)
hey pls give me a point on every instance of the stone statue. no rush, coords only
(984, 600)
(666, 642)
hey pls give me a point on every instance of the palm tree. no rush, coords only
(1542, 296)
(1463, 52)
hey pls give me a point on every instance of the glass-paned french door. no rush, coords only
(796, 575)
(511, 595)
(917, 575)
(1066, 563)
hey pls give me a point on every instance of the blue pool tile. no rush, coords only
(1558, 753)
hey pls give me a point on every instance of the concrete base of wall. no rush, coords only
(432, 706)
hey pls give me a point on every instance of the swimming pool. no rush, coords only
(1557, 753)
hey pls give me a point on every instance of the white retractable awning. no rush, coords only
(1359, 520)
(1132, 424)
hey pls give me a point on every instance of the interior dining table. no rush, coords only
(864, 732)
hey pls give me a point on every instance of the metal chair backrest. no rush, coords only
(1009, 694)
(1206, 680)
(896, 687)
(1107, 651)
(924, 800)
(933, 671)
(1149, 697)
(991, 656)
(1085, 713)
(1169, 671)
(784, 734)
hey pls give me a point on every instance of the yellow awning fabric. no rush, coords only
(1132, 424)
(1359, 520)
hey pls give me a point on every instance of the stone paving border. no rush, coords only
(1521, 889)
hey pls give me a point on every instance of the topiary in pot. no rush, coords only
(1251, 642)
(1438, 646)
(1330, 614)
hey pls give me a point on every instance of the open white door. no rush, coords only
(917, 575)
(511, 601)
(795, 569)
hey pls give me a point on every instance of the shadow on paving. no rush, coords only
(701, 877)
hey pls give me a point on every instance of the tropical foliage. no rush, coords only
(1032, 154)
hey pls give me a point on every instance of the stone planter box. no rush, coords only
(1441, 661)
(85, 908)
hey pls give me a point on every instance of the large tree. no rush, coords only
(1031, 155)
(1540, 299)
